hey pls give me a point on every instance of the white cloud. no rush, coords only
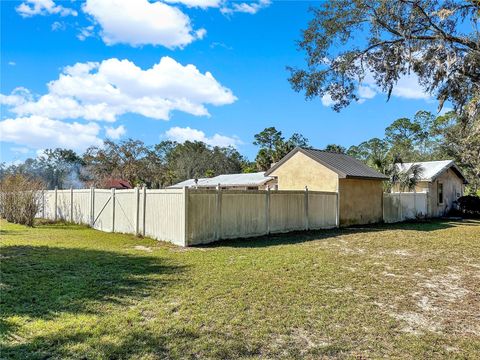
(39, 132)
(246, 7)
(12, 63)
(115, 133)
(30, 8)
(103, 91)
(20, 149)
(181, 135)
(57, 25)
(18, 96)
(85, 32)
(141, 22)
(327, 100)
(197, 3)
(366, 92)
(408, 87)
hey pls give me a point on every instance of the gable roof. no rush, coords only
(249, 179)
(345, 166)
(433, 169)
(117, 184)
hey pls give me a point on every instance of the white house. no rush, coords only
(443, 181)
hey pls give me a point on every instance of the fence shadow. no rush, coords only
(41, 282)
(305, 236)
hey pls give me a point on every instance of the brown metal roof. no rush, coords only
(345, 166)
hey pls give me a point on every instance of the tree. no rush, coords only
(435, 39)
(461, 142)
(125, 160)
(339, 149)
(373, 152)
(273, 146)
(402, 135)
(196, 160)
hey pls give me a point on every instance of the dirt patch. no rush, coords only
(440, 303)
(143, 248)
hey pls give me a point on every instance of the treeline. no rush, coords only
(425, 137)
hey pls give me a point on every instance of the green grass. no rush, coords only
(406, 291)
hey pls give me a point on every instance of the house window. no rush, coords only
(440, 193)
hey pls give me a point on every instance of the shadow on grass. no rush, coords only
(42, 282)
(304, 236)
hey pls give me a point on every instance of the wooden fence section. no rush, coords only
(189, 217)
(404, 206)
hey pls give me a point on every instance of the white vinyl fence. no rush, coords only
(403, 206)
(189, 217)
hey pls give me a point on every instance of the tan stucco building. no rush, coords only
(360, 188)
(442, 180)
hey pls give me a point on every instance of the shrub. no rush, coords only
(20, 199)
(469, 205)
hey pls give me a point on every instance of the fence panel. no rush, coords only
(81, 206)
(243, 214)
(63, 205)
(165, 215)
(287, 211)
(404, 206)
(322, 210)
(125, 211)
(49, 204)
(103, 214)
(201, 216)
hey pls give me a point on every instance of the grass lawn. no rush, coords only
(406, 291)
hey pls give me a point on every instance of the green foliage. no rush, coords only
(273, 146)
(339, 149)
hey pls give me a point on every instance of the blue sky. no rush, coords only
(245, 46)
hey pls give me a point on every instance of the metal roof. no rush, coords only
(250, 179)
(345, 166)
(186, 183)
(432, 169)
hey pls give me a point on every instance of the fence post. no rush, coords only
(185, 204)
(218, 213)
(307, 224)
(337, 210)
(92, 206)
(144, 190)
(267, 209)
(113, 209)
(43, 204)
(400, 208)
(71, 205)
(55, 203)
(137, 210)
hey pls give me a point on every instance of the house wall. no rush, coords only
(453, 188)
(361, 201)
(300, 171)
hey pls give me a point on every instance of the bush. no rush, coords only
(20, 199)
(469, 205)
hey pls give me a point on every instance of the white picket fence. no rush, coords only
(189, 217)
(403, 206)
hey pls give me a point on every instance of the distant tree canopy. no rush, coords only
(422, 138)
(156, 166)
